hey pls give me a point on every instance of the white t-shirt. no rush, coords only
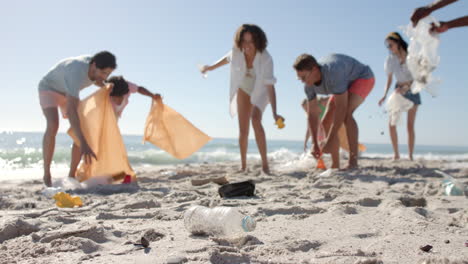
(400, 71)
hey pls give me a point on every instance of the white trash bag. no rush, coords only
(397, 104)
(423, 57)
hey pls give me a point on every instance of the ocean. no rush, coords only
(21, 154)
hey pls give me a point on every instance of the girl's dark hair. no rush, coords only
(259, 37)
(395, 36)
(120, 86)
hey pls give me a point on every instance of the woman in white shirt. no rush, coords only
(252, 86)
(395, 65)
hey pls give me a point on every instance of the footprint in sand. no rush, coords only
(86, 245)
(147, 204)
(238, 242)
(413, 202)
(17, 228)
(153, 235)
(365, 235)
(421, 211)
(295, 210)
(302, 245)
(344, 209)
(217, 257)
(369, 202)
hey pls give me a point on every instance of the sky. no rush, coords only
(158, 45)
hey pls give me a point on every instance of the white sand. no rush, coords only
(381, 213)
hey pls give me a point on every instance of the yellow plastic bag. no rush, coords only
(170, 131)
(99, 125)
(64, 200)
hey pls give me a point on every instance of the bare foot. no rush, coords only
(352, 167)
(47, 180)
(411, 157)
(242, 170)
(266, 171)
(396, 157)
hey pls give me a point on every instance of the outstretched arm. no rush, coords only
(313, 123)
(389, 82)
(444, 26)
(72, 112)
(144, 91)
(422, 12)
(341, 107)
(223, 61)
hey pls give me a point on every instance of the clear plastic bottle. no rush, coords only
(218, 221)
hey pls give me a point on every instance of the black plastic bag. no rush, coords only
(245, 188)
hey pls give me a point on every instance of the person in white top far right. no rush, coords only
(252, 87)
(395, 65)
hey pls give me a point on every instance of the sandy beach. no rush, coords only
(381, 213)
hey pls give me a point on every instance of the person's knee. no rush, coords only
(52, 127)
(349, 119)
(256, 120)
(243, 132)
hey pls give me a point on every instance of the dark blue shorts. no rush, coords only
(415, 98)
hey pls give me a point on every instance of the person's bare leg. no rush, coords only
(244, 111)
(327, 121)
(260, 138)
(354, 101)
(75, 160)
(394, 138)
(48, 141)
(411, 133)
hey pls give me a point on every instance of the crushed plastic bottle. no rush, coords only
(451, 186)
(49, 192)
(218, 221)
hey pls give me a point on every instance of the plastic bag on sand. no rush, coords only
(422, 55)
(397, 104)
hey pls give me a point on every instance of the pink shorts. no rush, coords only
(49, 99)
(362, 87)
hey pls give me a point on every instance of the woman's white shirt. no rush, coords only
(263, 68)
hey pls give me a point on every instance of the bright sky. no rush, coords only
(159, 43)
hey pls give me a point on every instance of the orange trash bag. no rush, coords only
(171, 132)
(99, 126)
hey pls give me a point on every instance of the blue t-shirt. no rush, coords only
(338, 72)
(68, 76)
